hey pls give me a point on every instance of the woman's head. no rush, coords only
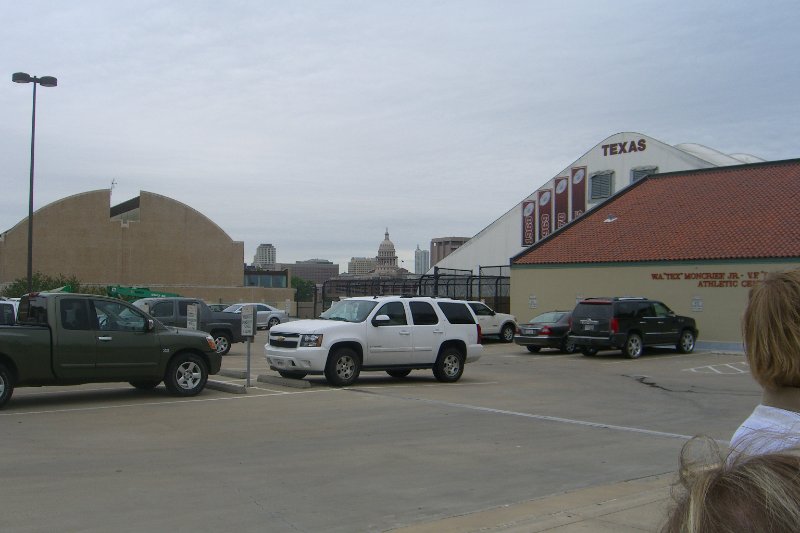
(771, 328)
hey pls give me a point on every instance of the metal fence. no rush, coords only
(490, 286)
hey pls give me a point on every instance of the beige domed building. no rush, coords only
(148, 241)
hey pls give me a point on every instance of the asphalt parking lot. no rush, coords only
(384, 455)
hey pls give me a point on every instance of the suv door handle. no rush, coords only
(439, 331)
(104, 339)
(405, 333)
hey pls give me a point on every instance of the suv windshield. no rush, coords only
(349, 310)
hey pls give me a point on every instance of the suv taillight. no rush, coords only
(614, 325)
(480, 340)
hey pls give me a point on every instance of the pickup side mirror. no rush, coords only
(381, 320)
(149, 325)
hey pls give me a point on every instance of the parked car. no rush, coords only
(394, 334)
(225, 328)
(629, 324)
(547, 330)
(69, 339)
(267, 316)
(493, 323)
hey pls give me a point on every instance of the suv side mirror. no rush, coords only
(149, 325)
(381, 320)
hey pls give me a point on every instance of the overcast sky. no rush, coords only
(315, 125)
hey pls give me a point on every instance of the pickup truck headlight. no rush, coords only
(211, 343)
(311, 341)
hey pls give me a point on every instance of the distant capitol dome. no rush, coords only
(387, 256)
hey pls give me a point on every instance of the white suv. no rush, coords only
(493, 323)
(395, 334)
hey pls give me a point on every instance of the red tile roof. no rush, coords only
(737, 212)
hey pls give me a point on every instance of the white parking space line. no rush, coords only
(723, 369)
(548, 418)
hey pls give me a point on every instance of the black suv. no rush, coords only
(629, 324)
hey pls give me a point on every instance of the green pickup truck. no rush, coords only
(69, 339)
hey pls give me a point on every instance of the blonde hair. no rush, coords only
(771, 330)
(745, 493)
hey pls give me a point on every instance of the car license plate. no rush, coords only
(527, 331)
(588, 327)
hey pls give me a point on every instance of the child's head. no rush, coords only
(750, 493)
(771, 328)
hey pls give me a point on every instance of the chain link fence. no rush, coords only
(491, 286)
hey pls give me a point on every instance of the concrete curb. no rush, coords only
(224, 386)
(238, 374)
(284, 382)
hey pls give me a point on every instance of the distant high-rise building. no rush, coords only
(422, 260)
(265, 257)
(317, 270)
(444, 246)
(359, 266)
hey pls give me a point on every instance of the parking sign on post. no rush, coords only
(191, 316)
(248, 331)
(248, 320)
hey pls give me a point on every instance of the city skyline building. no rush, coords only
(358, 266)
(422, 260)
(317, 270)
(444, 246)
(266, 256)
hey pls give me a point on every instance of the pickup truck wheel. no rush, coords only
(399, 373)
(223, 342)
(686, 342)
(449, 365)
(343, 367)
(186, 375)
(6, 385)
(507, 333)
(274, 321)
(291, 375)
(145, 385)
(633, 346)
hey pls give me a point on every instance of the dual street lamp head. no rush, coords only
(44, 81)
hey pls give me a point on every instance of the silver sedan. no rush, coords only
(267, 316)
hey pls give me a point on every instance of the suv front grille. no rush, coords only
(288, 340)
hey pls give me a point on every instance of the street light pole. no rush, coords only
(45, 81)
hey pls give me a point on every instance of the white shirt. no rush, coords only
(767, 430)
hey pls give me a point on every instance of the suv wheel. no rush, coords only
(186, 375)
(568, 345)
(449, 365)
(633, 346)
(686, 342)
(507, 333)
(343, 367)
